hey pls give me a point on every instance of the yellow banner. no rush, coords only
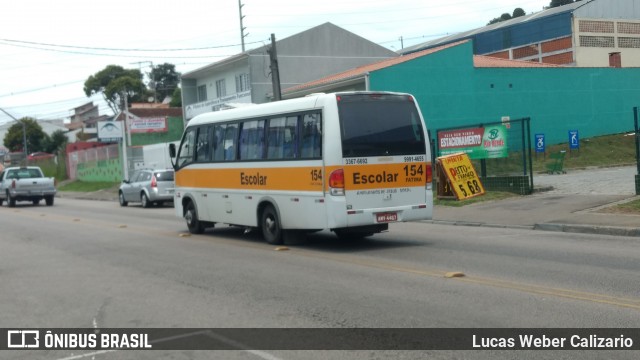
(461, 175)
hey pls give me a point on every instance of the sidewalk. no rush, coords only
(571, 202)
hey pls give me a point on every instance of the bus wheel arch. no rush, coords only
(269, 223)
(190, 215)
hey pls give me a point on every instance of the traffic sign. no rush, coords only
(540, 144)
(574, 140)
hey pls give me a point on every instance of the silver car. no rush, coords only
(148, 187)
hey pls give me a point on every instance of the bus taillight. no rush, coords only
(336, 182)
(429, 174)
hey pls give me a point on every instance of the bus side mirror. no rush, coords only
(172, 150)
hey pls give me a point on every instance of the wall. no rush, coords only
(451, 92)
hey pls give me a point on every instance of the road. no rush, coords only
(93, 264)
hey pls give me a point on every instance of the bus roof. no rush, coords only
(285, 106)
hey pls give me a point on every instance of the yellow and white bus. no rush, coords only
(348, 162)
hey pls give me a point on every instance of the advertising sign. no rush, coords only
(461, 175)
(110, 131)
(478, 143)
(147, 125)
(540, 145)
(574, 140)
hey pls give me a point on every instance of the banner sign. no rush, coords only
(461, 175)
(147, 125)
(479, 143)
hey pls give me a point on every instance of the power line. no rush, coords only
(121, 49)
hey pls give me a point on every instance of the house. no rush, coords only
(588, 33)
(245, 78)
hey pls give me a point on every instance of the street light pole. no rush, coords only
(24, 135)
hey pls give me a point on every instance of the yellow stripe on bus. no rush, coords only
(379, 176)
(288, 179)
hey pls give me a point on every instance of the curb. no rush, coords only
(588, 229)
(568, 228)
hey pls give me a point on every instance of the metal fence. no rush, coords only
(501, 152)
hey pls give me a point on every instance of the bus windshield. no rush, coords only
(380, 125)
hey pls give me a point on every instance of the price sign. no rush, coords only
(461, 175)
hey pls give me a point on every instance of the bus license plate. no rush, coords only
(386, 217)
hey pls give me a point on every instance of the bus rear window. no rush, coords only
(379, 125)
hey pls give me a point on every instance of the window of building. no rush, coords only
(221, 88)
(629, 42)
(597, 41)
(202, 93)
(596, 26)
(628, 28)
(242, 82)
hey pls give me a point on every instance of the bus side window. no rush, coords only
(252, 140)
(311, 136)
(218, 143)
(185, 154)
(202, 145)
(230, 140)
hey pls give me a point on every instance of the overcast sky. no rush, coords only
(49, 48)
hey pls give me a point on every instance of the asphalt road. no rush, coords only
(93, 264)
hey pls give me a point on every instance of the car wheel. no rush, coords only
(270, 224)
(145, 200)
(191, 217)
(1, 201)
(10, 201)
(36, 202)
(121, 199)
(49, 200)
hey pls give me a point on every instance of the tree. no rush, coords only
(164, 79)
(556, 3)
(517, 12)
(112, 81)
(56, 142)
(36, 138)
(176, 98)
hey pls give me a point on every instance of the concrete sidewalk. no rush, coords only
(572, 202)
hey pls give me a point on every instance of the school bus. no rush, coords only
(349, 162)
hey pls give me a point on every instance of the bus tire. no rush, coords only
(270, 225)
(191, 217)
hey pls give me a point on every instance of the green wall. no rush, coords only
(452, 92)
(175, 127)
(102, 170)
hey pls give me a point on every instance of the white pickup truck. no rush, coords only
(26, 183)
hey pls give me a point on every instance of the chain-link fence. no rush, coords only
(499, 151)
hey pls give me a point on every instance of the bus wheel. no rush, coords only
(270, 225)
(191, 217)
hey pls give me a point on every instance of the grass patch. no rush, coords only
(83, 186)
(631, 207)
(488, 196)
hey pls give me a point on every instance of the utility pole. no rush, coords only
(401, 43)
(127, 134)
(275, 72)
(24, 135)
(242, 28)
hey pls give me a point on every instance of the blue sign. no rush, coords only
(540, 146)
(574, 140)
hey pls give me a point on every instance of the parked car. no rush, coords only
(148, 187)
(40, 156)
(26, 183)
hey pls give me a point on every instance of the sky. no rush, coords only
(48, 48)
